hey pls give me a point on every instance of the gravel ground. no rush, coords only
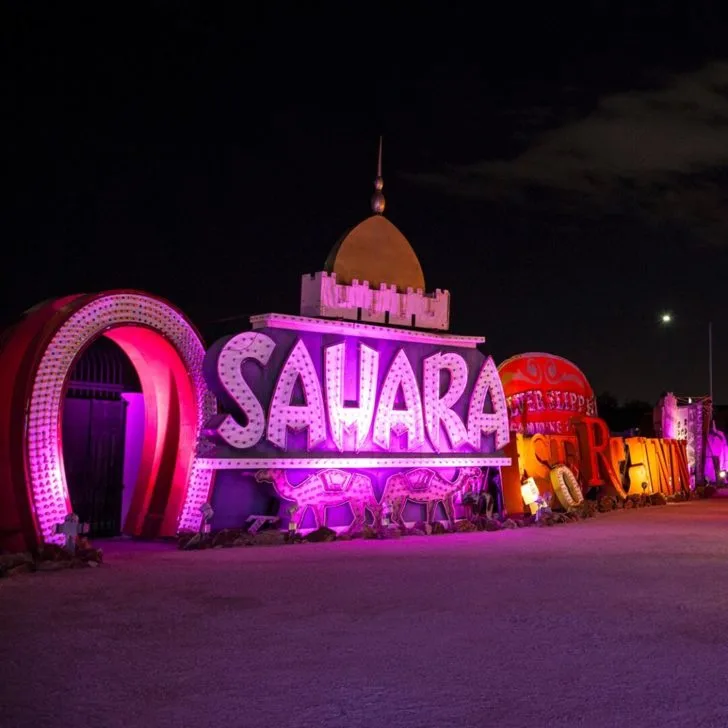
(617, 621)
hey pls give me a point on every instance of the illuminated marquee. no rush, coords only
(315, 393)
(545, 394)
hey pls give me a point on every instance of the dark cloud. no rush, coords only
(655, 152)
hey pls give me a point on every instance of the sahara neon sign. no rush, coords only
(295, 392)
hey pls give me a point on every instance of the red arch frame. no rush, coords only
(35, 363)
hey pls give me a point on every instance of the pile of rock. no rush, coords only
(554, 518)
(50, 557)
(235, 537)
(607, 503)
(705, 491)
(682, 496)
(14, 564)
(230, 537)
(385, 532)
(272, 536)
(646, 500)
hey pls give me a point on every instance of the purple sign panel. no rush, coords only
(304, 393)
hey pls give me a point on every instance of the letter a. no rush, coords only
(438, 410)
(488, 423)
(409, 419)
(284, 415)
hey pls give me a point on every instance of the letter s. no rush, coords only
(229, 375)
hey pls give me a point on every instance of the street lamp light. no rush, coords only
(666, 318)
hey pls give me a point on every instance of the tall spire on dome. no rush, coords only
(378, 202)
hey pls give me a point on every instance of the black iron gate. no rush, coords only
(93, 450)
(94, 425)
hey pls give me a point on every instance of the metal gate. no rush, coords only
(94, 425)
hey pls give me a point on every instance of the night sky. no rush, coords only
(561, 171)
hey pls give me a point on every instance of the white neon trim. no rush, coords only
(44, 452)
(354, 328)
(352, 462)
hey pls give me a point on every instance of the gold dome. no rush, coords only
(376, 251)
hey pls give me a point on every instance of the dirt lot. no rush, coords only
(618, 621)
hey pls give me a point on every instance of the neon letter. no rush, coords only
(593, 437)
(351, 419)
(229, 367)
(482, 423)
(438, 410)
(409, 419)
(283, 414)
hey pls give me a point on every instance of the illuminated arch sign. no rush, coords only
(312, 393)
(545, 393)
(36, 362)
